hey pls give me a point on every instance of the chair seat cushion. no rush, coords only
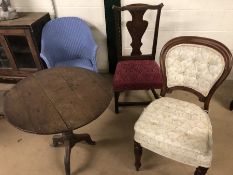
(137, 75)
(176, 129)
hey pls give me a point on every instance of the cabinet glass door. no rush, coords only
(4, 62)
(21, 51)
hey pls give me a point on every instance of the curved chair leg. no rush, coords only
(155, 94)
(231, 105)
(137, 154)
(201, 171)
(116, 97)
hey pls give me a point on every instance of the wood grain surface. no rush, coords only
(57, 100)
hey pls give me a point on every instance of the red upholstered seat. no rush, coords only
(137, 75)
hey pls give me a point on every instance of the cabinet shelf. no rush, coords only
(20, 45)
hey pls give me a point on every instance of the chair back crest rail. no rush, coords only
(136, 28)
(202, 52)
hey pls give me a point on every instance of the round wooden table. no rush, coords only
(58, 100)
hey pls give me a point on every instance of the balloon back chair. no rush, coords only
(137, 71)
(177, 129)
(68, 41)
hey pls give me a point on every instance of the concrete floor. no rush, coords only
(27, 154)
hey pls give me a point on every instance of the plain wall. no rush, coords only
(208, 18)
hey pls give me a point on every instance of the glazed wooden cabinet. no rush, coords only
(20, 45)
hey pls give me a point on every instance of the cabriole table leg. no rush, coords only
(69, 139)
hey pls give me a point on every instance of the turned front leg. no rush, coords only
(137, 154)
(201, 171)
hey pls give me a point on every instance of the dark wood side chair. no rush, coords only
(178, 129)
(137, 71)
(231, 105)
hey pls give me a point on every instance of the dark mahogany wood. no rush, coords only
(134, 103)
(58, 100)
(222, 49)
(116, 98)
(28, 25)
(155, 94)
(231, 105)
(137, 154)
(201, 171)
(142, 103)
(136, 28)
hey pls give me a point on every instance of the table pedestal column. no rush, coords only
(69, 139)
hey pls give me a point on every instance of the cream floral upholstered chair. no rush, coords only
(178, 129)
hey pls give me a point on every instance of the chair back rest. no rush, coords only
(195, 64)
(136, 28)
(67, 38)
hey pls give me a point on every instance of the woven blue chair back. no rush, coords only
(68, 41)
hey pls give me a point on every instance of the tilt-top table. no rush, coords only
(58, 100)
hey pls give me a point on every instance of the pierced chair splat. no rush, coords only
(174, 128)
(137, 71)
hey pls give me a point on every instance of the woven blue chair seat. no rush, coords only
(68, 41)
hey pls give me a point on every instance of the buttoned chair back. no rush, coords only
(195, 64)
(68, 41)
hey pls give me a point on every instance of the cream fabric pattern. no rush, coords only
(176, 129)
(194, 66)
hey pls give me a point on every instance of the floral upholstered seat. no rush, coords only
(176, 129)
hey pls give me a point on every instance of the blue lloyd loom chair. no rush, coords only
(68, 41)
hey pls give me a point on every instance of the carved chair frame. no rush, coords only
(137, 12)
